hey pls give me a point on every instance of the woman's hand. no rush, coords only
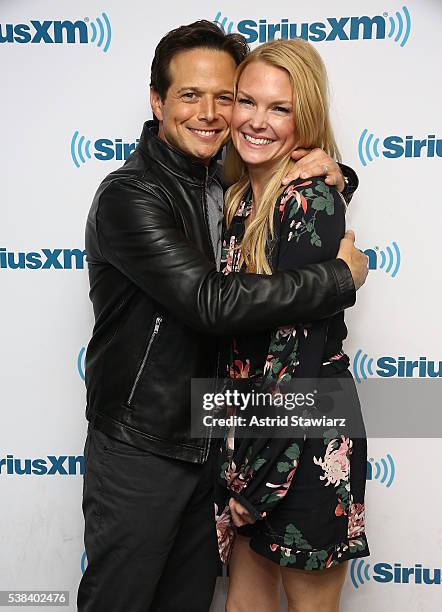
(240, 515)
(315, 162)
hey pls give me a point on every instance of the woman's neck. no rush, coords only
(259, 178)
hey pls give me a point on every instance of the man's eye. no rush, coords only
(225, 98)
(189, 95)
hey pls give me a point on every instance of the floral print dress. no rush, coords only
(306, 494)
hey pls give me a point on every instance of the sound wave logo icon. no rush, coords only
(359, 572)
(101, 32)
(222, 23)
(388, 259)
(384, 470)
(403, 25)
(83, 562)
(80, 149)
(362, 366)
(81, 362)
(368, 147)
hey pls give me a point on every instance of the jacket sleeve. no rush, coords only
(138, 234)
(310, 224)
(351, 182)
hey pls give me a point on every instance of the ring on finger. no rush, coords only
(325, 169)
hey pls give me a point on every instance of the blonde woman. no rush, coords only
(296, 510)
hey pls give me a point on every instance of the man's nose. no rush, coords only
(206, 111)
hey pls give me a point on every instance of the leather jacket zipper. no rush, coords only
(155, 331)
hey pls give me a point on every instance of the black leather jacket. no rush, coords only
(159, 302)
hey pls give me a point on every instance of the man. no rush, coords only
(153, 243)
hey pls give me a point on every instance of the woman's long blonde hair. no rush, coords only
(308, 78)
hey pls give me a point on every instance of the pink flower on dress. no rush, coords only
(281, 489)
(230, 255)
(356, 520)
(238, 369)
(225, 532)
(291, 192)
(236, 481)
(336, 462)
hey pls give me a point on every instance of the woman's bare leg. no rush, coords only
(314, 591)
(254, 581)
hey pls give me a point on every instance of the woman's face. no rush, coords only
(263, 129)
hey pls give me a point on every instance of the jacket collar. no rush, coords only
(173, 160)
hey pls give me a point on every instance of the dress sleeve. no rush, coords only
(309, 224)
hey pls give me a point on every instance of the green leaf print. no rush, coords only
(316, 560)
(292, 452)
(269, 499)
(315, 240)
(294, 208)
(319, 203)
(287, 560)
(283, 466)
(355, 545)
(330, 208)
(298, 539)
(330, 435)
(260, 461)
(223, 468)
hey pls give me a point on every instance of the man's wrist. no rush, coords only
(351, 182)
(346, 290)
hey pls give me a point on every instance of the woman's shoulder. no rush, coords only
(304, 195)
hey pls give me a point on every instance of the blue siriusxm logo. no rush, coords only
(83, 562)
(83, 31)
(103, 149)
(388, 259)
(81, 362)
(383, 470)
(361, 572)
(45, 259)
(63, 465)
(395, 27)
(394, 147)
(389, 366)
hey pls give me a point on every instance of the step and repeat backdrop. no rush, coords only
(74, 96)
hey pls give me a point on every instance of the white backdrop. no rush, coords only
(71, 97)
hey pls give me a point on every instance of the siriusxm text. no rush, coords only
(50, 32)
(45, 259)
(63, 465)
(334, 28)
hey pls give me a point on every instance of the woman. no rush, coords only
(296, 505)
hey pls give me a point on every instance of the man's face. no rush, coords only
(195, 115)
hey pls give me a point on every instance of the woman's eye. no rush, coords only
(281, 109)
(245, 101)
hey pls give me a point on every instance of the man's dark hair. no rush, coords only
(200, 34)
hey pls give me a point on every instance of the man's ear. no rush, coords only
(156, 104)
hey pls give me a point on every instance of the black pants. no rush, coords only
(149, 531)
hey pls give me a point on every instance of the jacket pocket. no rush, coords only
(150, 343)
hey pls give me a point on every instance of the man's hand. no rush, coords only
(354, 258)
(315, 163)
(240, 515)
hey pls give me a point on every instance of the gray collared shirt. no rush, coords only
(215, 205)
